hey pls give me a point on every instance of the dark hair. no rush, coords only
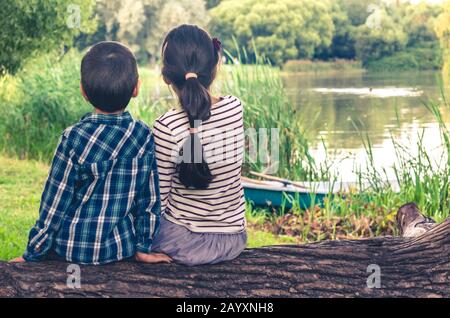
(190, 49)
(109, 76)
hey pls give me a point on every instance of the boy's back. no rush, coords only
(101, 176)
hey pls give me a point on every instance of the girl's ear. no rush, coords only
(137, 88)
(83, 92)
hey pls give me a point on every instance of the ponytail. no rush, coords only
(193, 170)
(190, 57)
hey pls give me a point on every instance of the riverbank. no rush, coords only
(413, 59)
(317, 66)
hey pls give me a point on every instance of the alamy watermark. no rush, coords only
(74, 276)
(374, 279)
(73, 20)
(374, 20)
(228, 146)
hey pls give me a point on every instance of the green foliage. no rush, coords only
(442, 28)
(280, 30)
(31, 26)
(410, 59)
(307, 66)
(44, 98)
(344, 29)
(379, 37)
(418, 22)
(142, 24)
(399, 37)
(357, 10)
(46, 101)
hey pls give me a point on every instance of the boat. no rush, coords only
(277, 192)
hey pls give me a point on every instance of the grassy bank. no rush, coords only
(412, 59)
(21, 184)
(308, 66)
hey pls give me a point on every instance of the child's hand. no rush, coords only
(152, 258)
(17, 260)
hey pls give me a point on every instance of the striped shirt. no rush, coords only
(101, 201)
(221, 207)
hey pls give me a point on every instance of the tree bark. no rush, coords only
(409, 267)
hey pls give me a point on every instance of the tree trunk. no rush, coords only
(408, 267)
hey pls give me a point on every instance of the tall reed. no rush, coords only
(266, 106)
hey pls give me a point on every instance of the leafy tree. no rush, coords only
(347, 16)
(343, 41)
(399, 36)
(28, 27)
(357, 10)
(142, 24)
(442, 28)
(280, 30)
(418, 22)
(380, 36)
(171, 14)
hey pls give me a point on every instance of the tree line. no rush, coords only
(377, 32)
(366, 30)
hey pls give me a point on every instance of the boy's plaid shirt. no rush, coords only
(101, 200)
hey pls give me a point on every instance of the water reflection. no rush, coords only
(347, 106)
(372, 92)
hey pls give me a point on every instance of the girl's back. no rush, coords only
(221, 206)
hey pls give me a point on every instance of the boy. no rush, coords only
(101, 201)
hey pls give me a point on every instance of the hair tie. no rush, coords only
(193, 130)
(190, 75)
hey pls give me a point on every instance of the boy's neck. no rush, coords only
(98, 111)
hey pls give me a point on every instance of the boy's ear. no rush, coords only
(83, 92)
(166, 80)
(137, 88)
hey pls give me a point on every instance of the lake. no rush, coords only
(381, 106)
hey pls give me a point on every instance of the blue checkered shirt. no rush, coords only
(101, 201)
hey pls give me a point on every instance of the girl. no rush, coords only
(199, 149)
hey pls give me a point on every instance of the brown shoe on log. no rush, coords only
(411, 222)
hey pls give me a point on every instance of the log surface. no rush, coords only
(409, 267)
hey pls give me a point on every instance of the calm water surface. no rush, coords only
(344, 106)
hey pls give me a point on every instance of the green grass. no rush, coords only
(21, 184)
(257, 238)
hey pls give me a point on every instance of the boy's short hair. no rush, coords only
(109, 76)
